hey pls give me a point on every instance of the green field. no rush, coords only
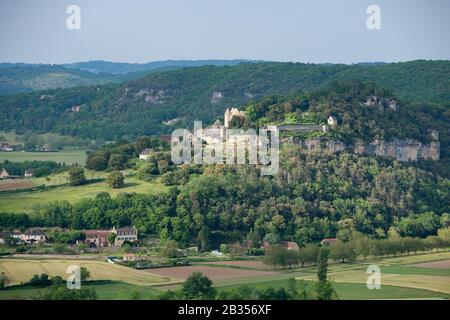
(25, 201)
(106, 290)
(66, 156)
(348, 291)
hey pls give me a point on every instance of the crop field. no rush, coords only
(64, 156)
(26, 200)
(15, 184)
(244, 264)
(20, 271)
(214, 273)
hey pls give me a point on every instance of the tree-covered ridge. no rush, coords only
(347, 102)
(203, 93)
(313, 196)
(18, 78)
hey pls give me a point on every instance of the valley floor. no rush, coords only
(406, 277)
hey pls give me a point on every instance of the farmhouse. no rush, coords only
(6, 147)
(332, 122)
(129, 234)
(145, 154)
(28, 173)
(4, 174)
(99, 238)
(129, 257)
(35, 235)
(4, 237)
(328, 241)
(96, 238)
(290, 245)
(18, 235)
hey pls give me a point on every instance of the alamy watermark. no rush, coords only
(73, 22)
(227, 146)
(374, 278)
(74, 279)
(374, 20)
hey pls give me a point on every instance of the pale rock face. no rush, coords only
(401, 150)
(216, 97)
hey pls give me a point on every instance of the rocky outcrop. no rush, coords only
(216, 97)
(402, 150)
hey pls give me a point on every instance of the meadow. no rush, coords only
(25, 201)
(64, 156)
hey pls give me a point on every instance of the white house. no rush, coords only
(332, 122)
(145, 154)
(28, 173)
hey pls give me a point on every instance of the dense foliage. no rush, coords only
(141, 106)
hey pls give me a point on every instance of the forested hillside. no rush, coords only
(23, 77)
(19, 78)
(141, 106)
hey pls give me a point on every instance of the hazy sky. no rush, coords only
(318, 31)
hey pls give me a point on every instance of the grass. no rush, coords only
(21, 271)
(355, 290)
(25, 201)
(67, 156)
(416, 271)
(106, 290)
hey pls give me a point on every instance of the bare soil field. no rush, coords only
(444, 264)
(214, 273)
(253, 264)
(14, 184)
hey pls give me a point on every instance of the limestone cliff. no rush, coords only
(402, 150)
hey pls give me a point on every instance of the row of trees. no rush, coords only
(358, 246)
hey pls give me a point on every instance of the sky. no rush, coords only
(316, 31)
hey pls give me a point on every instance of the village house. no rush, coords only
(328, 241)
(17, 234)
(4, 174)
(35, 235)
(332, 122)
(99, 238)
(6, 147)
(129, 234)
(129, 257)
(96, 238)
(4, 237)
(145, 154)
(290, 245)
(28, 173)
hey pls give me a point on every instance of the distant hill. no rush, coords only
(22, 77)
(161, 101)
(101, 66)
(18, 78)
